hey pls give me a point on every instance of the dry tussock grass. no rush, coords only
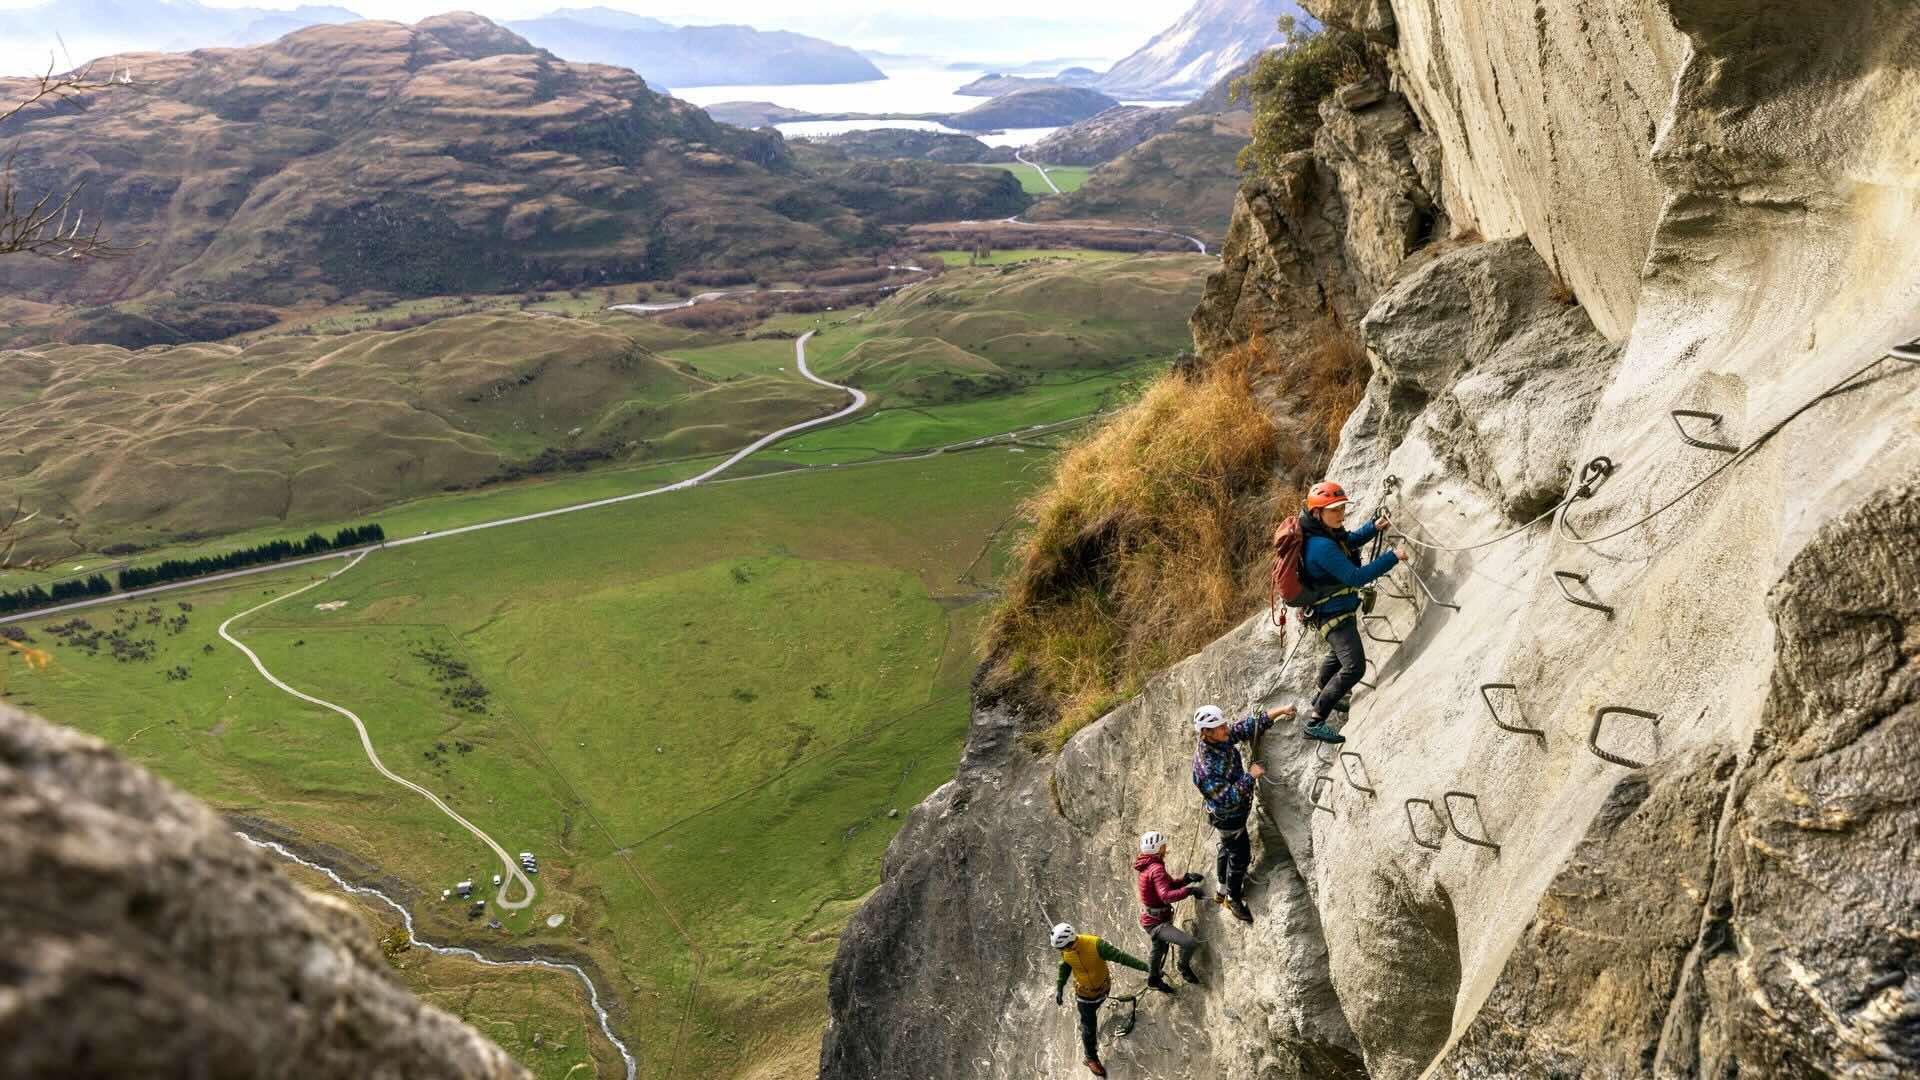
(1139, 544)
(1151, 538)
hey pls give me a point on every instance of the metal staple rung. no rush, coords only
(1910, 352)
(1313, 796)
(1561, 577)
(1713, 421)
(1366, 625)
(1422, 582)
(1495, 713)
(1348, 769)
(1320, 748)
(1599, 718)
(1415, 830)
(1446, 800)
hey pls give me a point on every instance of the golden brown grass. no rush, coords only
(1151, 538)
(1139, 544)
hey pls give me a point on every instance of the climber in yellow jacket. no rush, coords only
(1084, 957)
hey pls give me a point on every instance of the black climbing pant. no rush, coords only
(1346, 661)
(1235, 855)
(1090, 1024)
(1165, 936)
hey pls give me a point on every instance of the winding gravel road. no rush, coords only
(1041, 169)
(512, 873)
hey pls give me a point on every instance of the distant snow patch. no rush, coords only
(331, 605)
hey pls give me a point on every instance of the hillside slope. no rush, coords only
(443, 157)
(1659, 830)
(694, 55)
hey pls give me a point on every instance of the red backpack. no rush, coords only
(1284, 583)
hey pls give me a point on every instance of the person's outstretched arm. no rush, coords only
(1060, 984)
(1327, 561)
(1120, 956)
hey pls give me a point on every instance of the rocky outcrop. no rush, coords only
(1323, 236)
(143, 939)
(1104, 136)
(1044, 106)
(1503, 875)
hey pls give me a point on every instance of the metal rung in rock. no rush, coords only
(1713, 421)
(1910, 352)
(1446, 800)
(1396, 594)
(1495, 713)
(1320, 750)
(1348, 769)
(1366, 626)
(1561, 577)
(1313, 796)
(1600, 717)
(1415, 830)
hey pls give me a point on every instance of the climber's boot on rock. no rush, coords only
(1188, 975)
(1239, 908)
(1345, 704)
(1319, 730)
(1159, 983)
(1094, 1067)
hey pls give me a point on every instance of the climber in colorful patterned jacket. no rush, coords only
(1227, 787)
(1085, 957)
(1158, 894)
(1330, 571)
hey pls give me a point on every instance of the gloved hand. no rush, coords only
(1059, 997)
(1192, 879)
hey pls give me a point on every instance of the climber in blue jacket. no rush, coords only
(1332, 577)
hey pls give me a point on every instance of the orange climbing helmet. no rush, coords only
(1324, 494)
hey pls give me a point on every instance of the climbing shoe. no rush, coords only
(1094, 1067)
(1160, 984)
(1320, 730)
(1239, 909)
(1188, 975)
(1345, 704)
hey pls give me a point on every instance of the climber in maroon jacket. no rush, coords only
(1158, 893)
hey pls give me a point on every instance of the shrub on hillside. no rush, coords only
(1140, 546)
(1286, 87)
(1151, 539)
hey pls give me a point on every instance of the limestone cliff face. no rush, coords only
(1689, 204)
(143, 939)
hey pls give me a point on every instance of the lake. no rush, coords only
(908, 88)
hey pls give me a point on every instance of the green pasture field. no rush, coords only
(1067, 178)
(698, 709)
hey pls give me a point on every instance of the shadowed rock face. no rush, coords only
(143, 939)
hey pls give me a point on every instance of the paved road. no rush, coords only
(800, 356)
(1042, 170)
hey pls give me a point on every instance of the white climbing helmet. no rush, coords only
(1208, 716)
(1062, 935)
(1151, 842)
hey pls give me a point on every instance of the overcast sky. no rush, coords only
(1092, 32)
